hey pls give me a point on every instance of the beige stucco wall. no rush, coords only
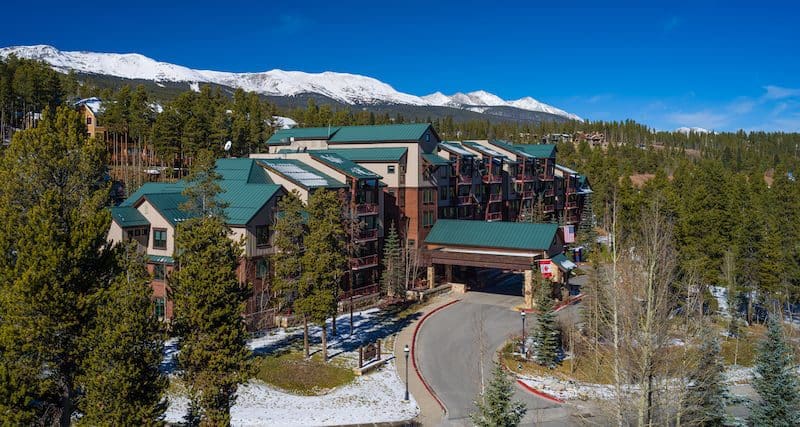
(157, 221)
(114, 233)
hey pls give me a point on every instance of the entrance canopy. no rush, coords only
(503, 245)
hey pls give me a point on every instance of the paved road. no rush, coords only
(449, 353)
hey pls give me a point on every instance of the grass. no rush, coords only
(745, 354)
(291, 372)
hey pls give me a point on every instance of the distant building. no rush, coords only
(91, 109)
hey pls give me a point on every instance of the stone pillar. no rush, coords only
(528, 290)
(431, 277)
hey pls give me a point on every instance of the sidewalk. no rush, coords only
(431, 413)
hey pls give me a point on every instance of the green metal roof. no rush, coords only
(128, 216)
(398, 132)
(505, 145)
(300, 173)
(160, 259)
(563, 262)
(245, 170)
(378, 155)
(435, 159)
(284, 136)
(540, 151)
(486, 151)
(500, 234)
(343, 165)
(245, 189)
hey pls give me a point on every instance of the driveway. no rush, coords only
(455, 348)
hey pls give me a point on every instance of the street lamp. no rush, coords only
(522, 314)
(406, 350)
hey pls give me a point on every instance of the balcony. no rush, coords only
(526, 194)
(464, 200)
(570, 205)
(367, 209)
(495, 198)
(549, 192)
(363, 262)
(492, 179)
(367, 235)
(464, 179)
(524, 178)
(549, 208)
(546, 177)
(494, 216)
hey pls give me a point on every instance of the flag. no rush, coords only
(545, 266)
(569, 234)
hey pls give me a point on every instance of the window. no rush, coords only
(262, 235)
(390, 169)
(159, 238)
(160, 307)
(427, 137)
(159, 271)
(444, 193)
(428, 196)
(88, 120)
(427, 219)
(262, 268)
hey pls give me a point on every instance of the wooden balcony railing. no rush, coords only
(549, 208)
(464, 179)
(363, 262)
(464, 200)
(367, 209)
(526, 194)
(494, 216)
(360, 291)
(367, 235)
(570, 205)
(492, 179)
(524, 178)
(549, 192)
(545, 177)
(495, 198)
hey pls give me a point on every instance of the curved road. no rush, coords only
(455, 348)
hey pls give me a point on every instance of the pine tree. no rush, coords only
(290, 231)
(56, 260)
(495, 407)
(706, 395)
(546, 334)
(776, 381)
(203, 188)
(120, 380)
(209, 302)
(393, 269)
(324, 261)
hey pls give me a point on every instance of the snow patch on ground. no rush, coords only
(721, 295)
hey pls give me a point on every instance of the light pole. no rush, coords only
(522, 314)
(406, 350)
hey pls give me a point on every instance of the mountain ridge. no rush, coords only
(346, 88)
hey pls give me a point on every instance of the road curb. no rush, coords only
(414, 354)
(539, 393)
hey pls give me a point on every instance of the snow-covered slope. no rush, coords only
(350, 89)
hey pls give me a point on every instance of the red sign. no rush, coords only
(545, 266)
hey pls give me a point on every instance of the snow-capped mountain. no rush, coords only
(346, 88)
(687, 130)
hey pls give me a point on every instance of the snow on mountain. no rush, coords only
(350, 89)
(687, 130)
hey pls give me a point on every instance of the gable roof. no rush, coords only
(300, 173)
(500, 234)
(343, 165)
(284, 136)
(435, 159)
(410, 132)
(245, 170)
(169, 206)
(505, 145)
(128, 216)
(540, 151)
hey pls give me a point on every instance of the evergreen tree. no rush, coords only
(290, 232)
(546, 334)
(209, 302)
(393, 278)
(120, 380)
(775, 381)
(55, 262)
(495, 407)
(203, 188)
(706, 395)
(324, 261)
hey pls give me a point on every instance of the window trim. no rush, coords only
(155, 245)
(264, 243)
(391, 169)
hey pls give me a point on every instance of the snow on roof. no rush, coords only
(456, 148)
(303, 176)
(284, 122)
(567, 170)
(95, 104)
(332, 159)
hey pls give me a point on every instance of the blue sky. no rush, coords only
(724, 65)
